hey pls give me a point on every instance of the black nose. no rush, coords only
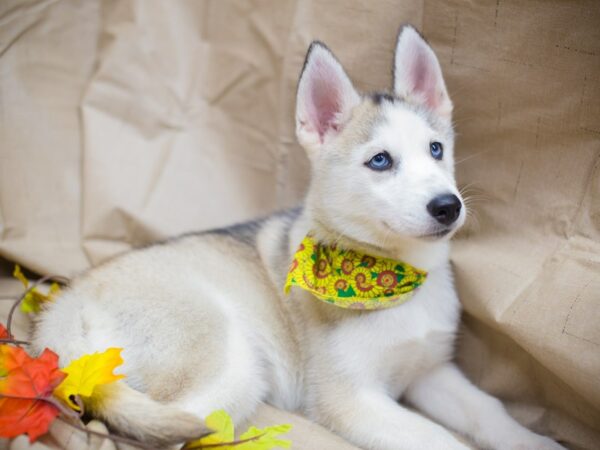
(445, 208)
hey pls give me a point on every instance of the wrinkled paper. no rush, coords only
(124, 122)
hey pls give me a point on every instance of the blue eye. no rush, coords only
(381, 161)
(437, 150)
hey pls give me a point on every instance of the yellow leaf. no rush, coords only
(54, 291)
(87, 372)
(19, 276)
(34, 298)
(223, 437)
(221, 423)
(31, 302)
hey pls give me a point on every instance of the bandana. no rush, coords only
(350, 279)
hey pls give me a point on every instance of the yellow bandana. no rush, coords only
(350, 279)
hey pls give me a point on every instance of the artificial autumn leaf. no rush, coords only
(25, 392)
(223, 437)
(34, 298)
(4, 332)
(87, 372)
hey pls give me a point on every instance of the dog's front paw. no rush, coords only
(536, 442)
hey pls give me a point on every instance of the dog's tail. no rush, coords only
(136, 415)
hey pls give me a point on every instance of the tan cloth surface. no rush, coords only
(127, 121)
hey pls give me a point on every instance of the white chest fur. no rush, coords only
(390, 348)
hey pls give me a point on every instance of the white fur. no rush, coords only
(205, 325)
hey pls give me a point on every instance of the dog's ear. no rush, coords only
(418, 75)
(324, 100)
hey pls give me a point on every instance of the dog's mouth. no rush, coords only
(436, 234)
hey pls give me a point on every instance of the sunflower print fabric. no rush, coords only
(350, 279)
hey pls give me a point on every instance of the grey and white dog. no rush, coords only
(204, 323)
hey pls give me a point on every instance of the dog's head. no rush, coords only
(382, 164)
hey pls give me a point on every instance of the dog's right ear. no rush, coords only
(324, 100)
(418, 75)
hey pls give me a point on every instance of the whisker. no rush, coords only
(466, 158)
(385, 238)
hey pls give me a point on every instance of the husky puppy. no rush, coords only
(204, 322)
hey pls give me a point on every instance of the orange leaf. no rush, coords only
(25, 386)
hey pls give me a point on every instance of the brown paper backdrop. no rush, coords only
(124, 122)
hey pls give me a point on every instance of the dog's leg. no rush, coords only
(450, 398)
(373, 420)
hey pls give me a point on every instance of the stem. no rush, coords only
(79, 402)
(57, 278)
(14, 341)
(62, 408)
(51, 400)
(112, 437)
(223, 444)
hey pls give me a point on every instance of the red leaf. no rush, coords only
(3, 332)
(25, 384)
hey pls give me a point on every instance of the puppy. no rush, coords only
(371, 312)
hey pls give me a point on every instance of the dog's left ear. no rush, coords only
(418, 75)
(324, 100)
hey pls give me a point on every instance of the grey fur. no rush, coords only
(246, 232)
